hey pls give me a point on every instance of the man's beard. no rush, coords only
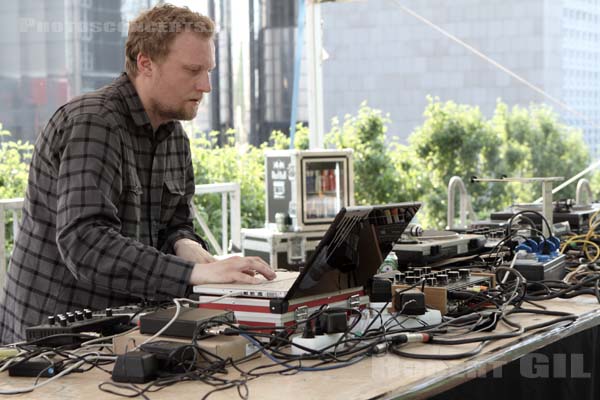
(165, 112)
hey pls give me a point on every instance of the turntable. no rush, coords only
(433, 246)
(577, 215)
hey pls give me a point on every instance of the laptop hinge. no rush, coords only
(301, 313)
(278, 306)
(354, 301)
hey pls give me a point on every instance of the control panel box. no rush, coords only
(281, 250)
(307, 187)
(62, 329)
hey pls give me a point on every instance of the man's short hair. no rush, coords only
(153, 31)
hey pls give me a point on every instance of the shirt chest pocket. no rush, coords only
(173, 195)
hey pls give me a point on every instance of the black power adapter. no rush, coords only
(381, 290)
(173, 356)
(331, 322)
(410, 302)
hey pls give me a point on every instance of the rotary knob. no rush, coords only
(70, 317)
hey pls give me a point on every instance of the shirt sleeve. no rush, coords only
(88, 235)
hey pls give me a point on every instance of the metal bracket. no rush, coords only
(354, 301)
(301, 313)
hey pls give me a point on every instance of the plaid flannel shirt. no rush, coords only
(106, 199)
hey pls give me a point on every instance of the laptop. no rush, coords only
(348, 256)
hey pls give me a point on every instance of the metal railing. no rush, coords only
(230, 221)
(14, 206)
(465, 206)
(583, 190)
(231, 190)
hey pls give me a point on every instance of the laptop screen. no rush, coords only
(353, 248)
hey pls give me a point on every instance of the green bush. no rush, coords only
(453, 140)
(14, 171)
(518, 142)
(375, 176)
(14, 166)
(244, 164)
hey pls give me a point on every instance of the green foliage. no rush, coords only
(536, 144)
(280, 141)
(458, 140)
(229, 163)
(14, 166)
(375, 178)
(14, 170)
(453, 140)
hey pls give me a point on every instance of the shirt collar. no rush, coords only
(132, 99)
(136, 108)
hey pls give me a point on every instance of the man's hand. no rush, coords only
(231, 270)
(192, 251)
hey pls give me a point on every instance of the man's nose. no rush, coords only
(203, 84)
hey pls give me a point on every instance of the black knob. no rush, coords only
(442, 279)
(465, 273)
(109, 312)
(411, 280)
(399, 276)
(431, 281)
(51, 320)
(426, 270)
(78, 315)
(453, 275)
(70, 317)
(418, 272)
(87, 313)
(62, 320)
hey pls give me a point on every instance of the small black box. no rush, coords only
(135, 367)
(35, 367)
(381, 290)
(186, 323)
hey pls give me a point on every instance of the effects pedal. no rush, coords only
(70, 324)
(438, 286)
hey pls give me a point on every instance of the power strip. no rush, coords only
(372, 320)
(317, 343)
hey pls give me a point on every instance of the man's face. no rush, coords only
(182, 77)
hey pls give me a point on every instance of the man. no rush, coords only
(106, 218)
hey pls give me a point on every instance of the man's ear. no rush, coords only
(144, 64)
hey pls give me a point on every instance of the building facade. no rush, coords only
(380, 53)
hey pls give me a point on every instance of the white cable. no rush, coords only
(511, 266)
(103, 338)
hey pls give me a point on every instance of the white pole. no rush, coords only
(314, 39)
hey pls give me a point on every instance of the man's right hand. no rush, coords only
(231, 270)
